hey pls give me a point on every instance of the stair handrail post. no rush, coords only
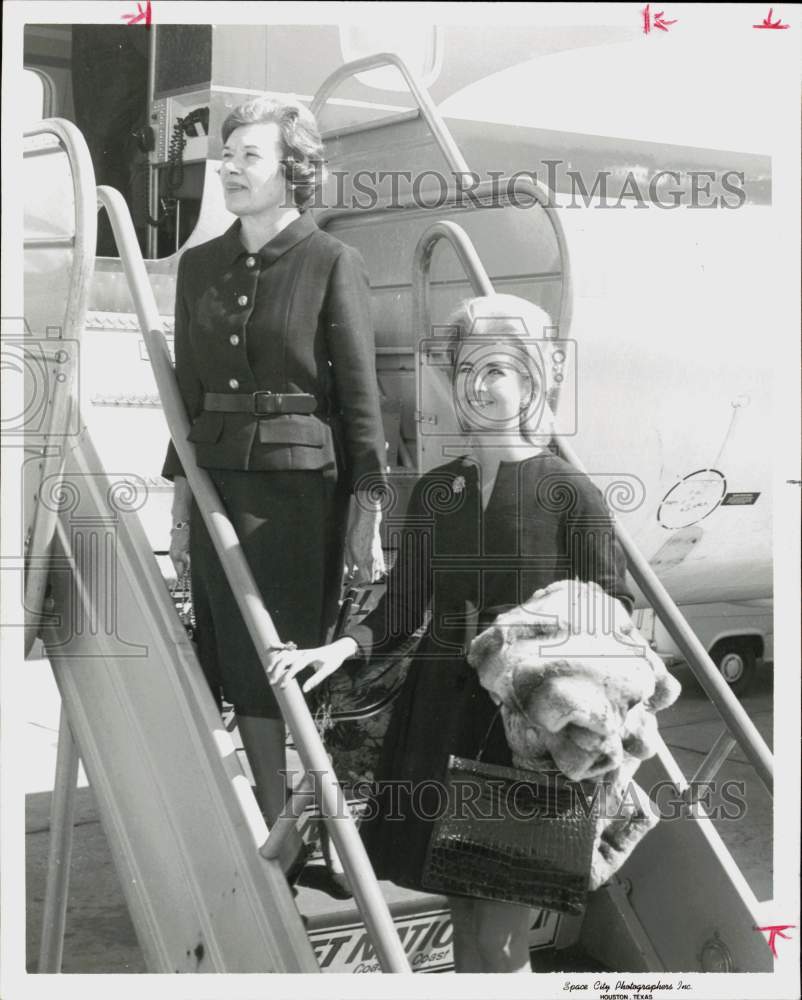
(84, 241)
(426, 106)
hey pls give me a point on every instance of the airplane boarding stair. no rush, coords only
(197, 865)
(185, 832)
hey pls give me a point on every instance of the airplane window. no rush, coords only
(419, 47)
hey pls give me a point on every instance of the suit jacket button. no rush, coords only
(233, 383)
(250, 261)
(233, 339)
(242, 300)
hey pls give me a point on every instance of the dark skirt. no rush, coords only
(441, 710)
(292, 529)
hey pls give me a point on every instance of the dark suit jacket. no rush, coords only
(292, 317)
(544, 522)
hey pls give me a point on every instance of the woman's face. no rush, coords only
(252, 172)
(495, 384)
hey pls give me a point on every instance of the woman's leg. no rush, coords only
(292, 570)
(502, 936)
(333, 863)
(263, 740)
(466, 952)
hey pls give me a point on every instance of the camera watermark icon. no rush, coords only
(457, 380)
(82, 606)
(47, 365)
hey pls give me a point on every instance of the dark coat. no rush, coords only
(293, 317)
(544, 522)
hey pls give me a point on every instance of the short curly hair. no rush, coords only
(304, 165)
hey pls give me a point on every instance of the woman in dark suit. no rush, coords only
(274, 358)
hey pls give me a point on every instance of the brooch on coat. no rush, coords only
(458, 485)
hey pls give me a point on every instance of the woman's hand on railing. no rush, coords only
(324, 660)
(364, 558)
(179, 533)
(179, 548)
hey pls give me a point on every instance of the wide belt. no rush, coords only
(260, 403)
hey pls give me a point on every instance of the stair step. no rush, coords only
(342, 943)
(97, 320)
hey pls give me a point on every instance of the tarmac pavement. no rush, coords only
(99, 935)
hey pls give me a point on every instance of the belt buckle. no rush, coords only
(268, 402)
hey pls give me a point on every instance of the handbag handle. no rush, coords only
(186, 611)
(180, 583)
(483, 744)
(472, 621)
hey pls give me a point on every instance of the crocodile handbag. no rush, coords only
(519, 836)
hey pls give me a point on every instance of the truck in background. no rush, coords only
(738, 635)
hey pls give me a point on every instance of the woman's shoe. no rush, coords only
(301, 858)
(339, 885)
(334, 884)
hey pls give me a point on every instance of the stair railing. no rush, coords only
(61, 364)
(327, 791)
